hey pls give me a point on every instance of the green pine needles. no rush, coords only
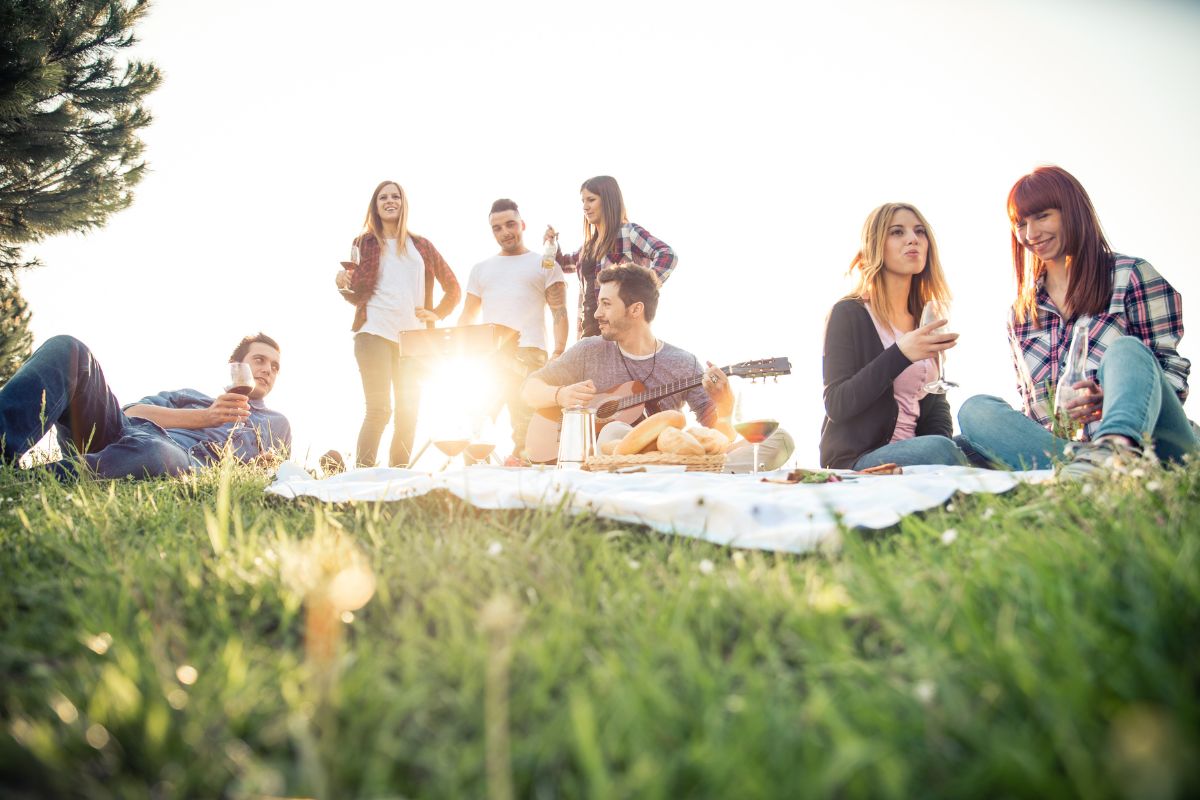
(70, 114)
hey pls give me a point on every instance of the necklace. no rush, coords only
(629, 372)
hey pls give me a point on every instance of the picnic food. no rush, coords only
(648, 430)
(713, 441)
(608, 448)
(882, 469)
(673, 440)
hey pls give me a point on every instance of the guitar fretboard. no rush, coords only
(667, 389)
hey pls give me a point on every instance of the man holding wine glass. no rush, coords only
(627, 350)
(61, 386)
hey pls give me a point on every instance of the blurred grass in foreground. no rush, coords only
(153, 644)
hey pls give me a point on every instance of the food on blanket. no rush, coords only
(648, 431)
(675, 441)
(713, 441)
(609, 448)
(806, 476)
(883, 469)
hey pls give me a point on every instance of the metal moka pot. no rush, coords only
(577, 440)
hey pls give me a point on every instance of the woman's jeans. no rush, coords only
(914, 451)
(1138, 403)
(386, 378)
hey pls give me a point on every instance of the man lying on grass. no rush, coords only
(61, 385)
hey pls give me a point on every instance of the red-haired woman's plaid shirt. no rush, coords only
(1143, 305)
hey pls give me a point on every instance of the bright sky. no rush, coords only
(753, 137)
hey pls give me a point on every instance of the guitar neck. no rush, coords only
(666, 390)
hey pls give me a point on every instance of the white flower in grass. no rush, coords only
(99, 643)
(924, 690)
(65, 709)
(634, 564)
(97, 736)
(706, 567)
(1153, 486)
(949, 535)
(495, 548)
(988, 513)
(177, 699)
(187, 674)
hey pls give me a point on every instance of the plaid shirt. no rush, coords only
(633, 243)
(1143, 305)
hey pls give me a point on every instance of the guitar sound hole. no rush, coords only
(607, 409)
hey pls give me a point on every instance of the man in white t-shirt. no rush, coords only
(513, 289)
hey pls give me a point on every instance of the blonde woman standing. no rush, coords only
(876, 358)
(391, 288)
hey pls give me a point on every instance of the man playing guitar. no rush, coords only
(627, 350)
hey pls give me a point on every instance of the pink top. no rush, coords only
(908, 386)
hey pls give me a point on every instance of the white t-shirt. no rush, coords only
(513, 292)
(398, 293)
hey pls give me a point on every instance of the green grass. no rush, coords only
(1048, 647)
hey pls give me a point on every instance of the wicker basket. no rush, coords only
(692, 463)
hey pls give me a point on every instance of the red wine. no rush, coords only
(756, 430)
(480, 450)
(243, 390)
(451, 447)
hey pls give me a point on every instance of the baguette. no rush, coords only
(648, 430)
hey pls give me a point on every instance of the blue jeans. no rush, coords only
(914, 451)
(1138, 403)
(62, 386)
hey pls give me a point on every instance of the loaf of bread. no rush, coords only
(648, 430)
(712, 440)
(673, 440)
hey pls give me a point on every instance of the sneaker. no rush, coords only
(1098, 458)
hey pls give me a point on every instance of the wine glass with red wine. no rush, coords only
(483, 442)
(241, 381)
(752, 424)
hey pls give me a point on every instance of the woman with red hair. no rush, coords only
(1135, 381)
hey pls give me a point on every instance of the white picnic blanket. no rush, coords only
(734, 510)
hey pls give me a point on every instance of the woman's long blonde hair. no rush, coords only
(867, 267)
(373, 224)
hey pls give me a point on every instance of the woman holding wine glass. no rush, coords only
(609, 238)
(884, 398)
(1129, 381)
(389, 280)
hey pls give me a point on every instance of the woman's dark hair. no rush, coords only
(1089, 258)
(598, 239)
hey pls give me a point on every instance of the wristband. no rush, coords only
(556, 391)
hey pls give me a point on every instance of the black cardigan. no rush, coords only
(860, 409)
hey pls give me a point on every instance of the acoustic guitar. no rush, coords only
(627, 403)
